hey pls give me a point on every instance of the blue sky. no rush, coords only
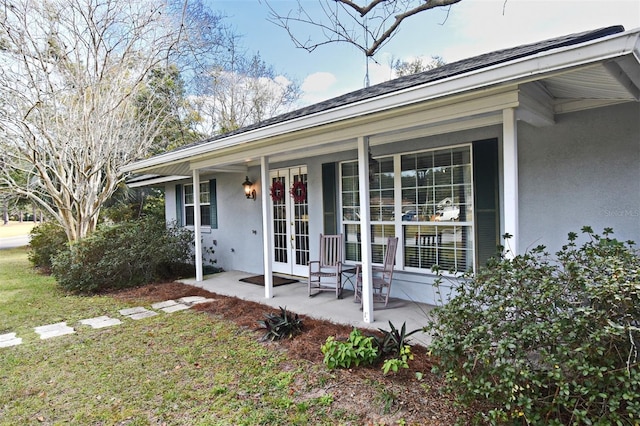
(469, 28)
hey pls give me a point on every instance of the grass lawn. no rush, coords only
(182, 368)
(14, 229)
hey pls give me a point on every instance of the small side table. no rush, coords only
(350, 276)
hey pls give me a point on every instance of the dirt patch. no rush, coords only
(412, 395)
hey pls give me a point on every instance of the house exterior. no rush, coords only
(534, 141)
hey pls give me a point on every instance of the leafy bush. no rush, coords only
(546, 340)
(47, 240)
(122, 255)
(357, 350)
(280, 326)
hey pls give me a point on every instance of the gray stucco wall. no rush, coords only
(236, 245)
(584, 170)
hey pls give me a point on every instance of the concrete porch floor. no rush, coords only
(323, 306)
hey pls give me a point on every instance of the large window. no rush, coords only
(437, 209)
(426, 198)
(208, 216)
(381, 208)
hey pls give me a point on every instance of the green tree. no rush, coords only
(164, 95)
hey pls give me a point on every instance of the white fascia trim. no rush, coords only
(155, 181)
(526, 69)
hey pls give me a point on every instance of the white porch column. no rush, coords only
(197, 224)
(267, 239)
(365, 229)
(510, 178)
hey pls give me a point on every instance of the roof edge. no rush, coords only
(526, 51)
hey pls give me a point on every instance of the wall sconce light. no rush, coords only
(248, 189)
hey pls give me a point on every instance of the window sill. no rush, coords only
(203, 229)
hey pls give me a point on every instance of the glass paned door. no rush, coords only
(290, 220)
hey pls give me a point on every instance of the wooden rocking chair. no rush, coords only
(382, 275)
(326, 274)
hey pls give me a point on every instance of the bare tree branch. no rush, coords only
(244, 92)
(345, 20)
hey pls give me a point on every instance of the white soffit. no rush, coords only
(590, 83)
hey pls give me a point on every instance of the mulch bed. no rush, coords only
(358, 390)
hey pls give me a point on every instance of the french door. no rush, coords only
(290, 220)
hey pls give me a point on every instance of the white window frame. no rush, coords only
(399, 225)
(205, 201)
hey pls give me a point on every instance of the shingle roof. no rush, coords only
(445, 71)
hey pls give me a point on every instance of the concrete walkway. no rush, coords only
(295, 297)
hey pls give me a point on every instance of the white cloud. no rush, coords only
(317, 87)
(282, 80)
(488, 25)
(380, 72)
(318, 82)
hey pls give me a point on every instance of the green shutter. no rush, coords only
(486, 203)
(329, 196)
(179, 205)
(213, 200)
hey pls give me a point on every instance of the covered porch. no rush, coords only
(500, 137)
(323, 306)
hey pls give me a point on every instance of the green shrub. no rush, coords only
(123, 255)
(47, 240)
(542, 340)
(279, 326)
(358, 349)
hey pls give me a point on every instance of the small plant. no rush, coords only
(325, 400)
(358, 349)
(393, 341)
(401, 361)
(280, 326)
(387, 399)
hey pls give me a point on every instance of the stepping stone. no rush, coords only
(194, 300)
(137, 313)
(142, 315)
(174, 308)
(131, 311)
(9, 339)
(54, 330)
(101, 322)
(165, 304)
